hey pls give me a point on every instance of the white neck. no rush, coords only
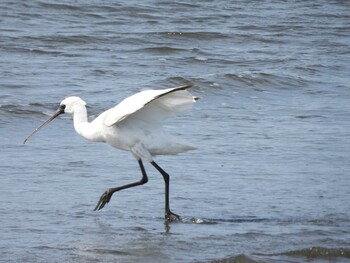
(82, 126)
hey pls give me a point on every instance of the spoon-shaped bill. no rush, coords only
(57, 113)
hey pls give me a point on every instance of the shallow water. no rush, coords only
(269, 181)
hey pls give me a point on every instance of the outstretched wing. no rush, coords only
(152, 105)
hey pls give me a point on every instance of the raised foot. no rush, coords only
(104, 199)
(171, 217)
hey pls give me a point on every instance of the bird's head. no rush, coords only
(68, 105)
(71, 104)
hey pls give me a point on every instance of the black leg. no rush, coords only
(106, 196)
(169, 216)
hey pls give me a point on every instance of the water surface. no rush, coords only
(269, 181)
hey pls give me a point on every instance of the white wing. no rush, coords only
(152, 105)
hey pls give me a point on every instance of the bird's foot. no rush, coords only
(104, 199)
(171, 217)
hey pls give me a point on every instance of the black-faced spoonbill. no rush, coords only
(134, 125)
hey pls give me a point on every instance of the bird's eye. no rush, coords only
(61, 108)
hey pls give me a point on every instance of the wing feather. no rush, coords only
(152, 105)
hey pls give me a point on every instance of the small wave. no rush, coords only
(44, 247)
(316, 253)
(107, 251)
(36, 51)
(236, 259)
(313, 253)
(213, 221)
(44, 52)
(58, 6)
(249, 219)
(266, 80)
(161, 49)
(255, 219)
(24, 110)
(175, 81)
(309, 116)
(196, 220)
(200, 35)
(55, 40)
(73, 39)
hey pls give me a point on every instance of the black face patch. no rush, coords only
(61, 108)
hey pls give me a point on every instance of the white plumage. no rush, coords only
(134, 125)
(154, 105)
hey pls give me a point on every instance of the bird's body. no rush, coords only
(134, 125)
(137, 119)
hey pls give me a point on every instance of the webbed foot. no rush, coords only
(171, 217)
(104, 199)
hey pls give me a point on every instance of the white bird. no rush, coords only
(134, 125)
